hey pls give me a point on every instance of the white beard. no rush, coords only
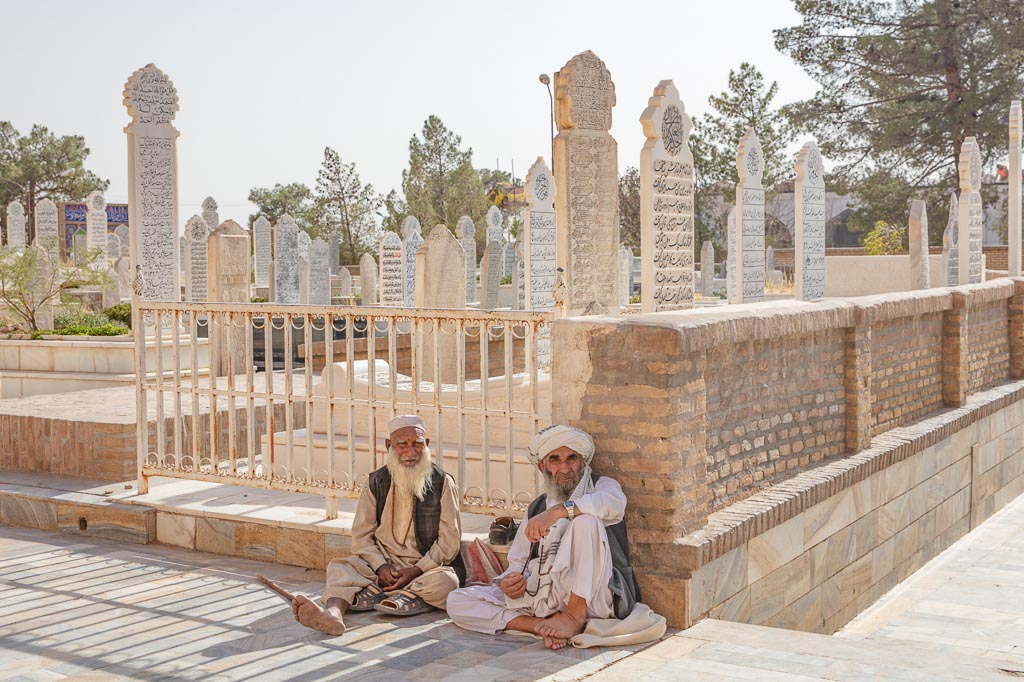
(556, 492)
(411, 481)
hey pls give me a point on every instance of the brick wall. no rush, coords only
(988, 348)
(906, 370)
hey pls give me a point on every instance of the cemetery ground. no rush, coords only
(82, 608)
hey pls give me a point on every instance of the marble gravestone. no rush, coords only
(495, 222)
(809, 228)
(334, 251)
(319, 272)
(261, 251)
(587, 203)
(707, 269)
(749, 271)
(466, 232)
(769, 260)
(367, 280)
(970, 220)
(40, 277)
(412, 240)
(732, 244)
(209, 212)
(490, 275)
(392, 270)
(666, 203)
(625, 275)
(437, 259)
(519, 273)
(303, 242)
(508, 255)
(152, 102)
(47, 227)
(286, 261)
(918, 239)
(16, 222)
(1013, 232)
(110, 294)
(950, 245)
(96, 222)
(229, 277)
(113, 246)
(182, 257)
(539, 264)
(198, 259)
(122, 234)
(346, 282)
(123, 268)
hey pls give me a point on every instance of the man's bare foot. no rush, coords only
(311, 615)
(561, 626)
(555, 642)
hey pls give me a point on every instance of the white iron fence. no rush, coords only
(262, 412)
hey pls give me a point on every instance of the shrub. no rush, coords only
(507, 279)
(76, 317)
(122, 312)
(884, 239)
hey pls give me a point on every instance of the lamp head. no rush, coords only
(543, 78)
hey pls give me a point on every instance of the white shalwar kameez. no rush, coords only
(582, 566)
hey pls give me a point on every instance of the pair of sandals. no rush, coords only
(396, 603)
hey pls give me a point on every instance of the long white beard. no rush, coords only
(412, 481)
(556, 492)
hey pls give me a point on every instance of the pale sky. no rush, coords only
(264, 86)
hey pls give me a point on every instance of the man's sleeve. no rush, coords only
(449, 532)
(364, 526)
(607, 502)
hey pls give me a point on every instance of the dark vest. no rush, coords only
(623, 585)
(426, 513)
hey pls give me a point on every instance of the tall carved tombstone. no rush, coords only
(122, 266)
(666, 203)
(113, 246)
(707, 269)
(303, 241)
(152, 102)
(587, 203)
(733, 244)
(16, 225)
(950, 245)
(625, 275)
(539, 263)
(286, 261)
(198, 259)
(750, 219)
(261, 251)
(971, 217)
(392, 270)
(495, 225)
(437, 260)
(367, 280)
(919, 275)
(210, 213)
(122, 233)
(96, 221)
(42, 271)
(519, 273)
(490, 275)
(319, 272)
(346, 282)
(228, 272)
(809, 229)
(1013, 234)
(334, 251)
(466, 232)
(47, 227)
(508, 255)
(412, 240)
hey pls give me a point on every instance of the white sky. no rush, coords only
(264, 86)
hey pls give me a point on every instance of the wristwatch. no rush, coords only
(570, 508)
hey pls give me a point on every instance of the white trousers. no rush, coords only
(582, 566)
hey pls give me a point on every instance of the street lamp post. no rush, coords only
(546, 80)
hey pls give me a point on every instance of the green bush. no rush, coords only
(884, 239)
(82, 323)
(259, 299)
(76, 317)
(122, 313)
(108, 329)
(635, 299)
(507, 279)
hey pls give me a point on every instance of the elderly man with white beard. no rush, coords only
(569, 561)
(406, 537)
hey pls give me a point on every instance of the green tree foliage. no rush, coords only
(629, 207)
(346, 206)
(295, 199)
(440, 184)
(40, 166)
(901, 85)
(35, 277)
(884, 239)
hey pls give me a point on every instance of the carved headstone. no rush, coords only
(334, 251)
(809, 229)
(494, 225)
(919, 275)
(210, 213)
(182, 257)
(707, 269)
(16, 225)
(304, 266)
(229, 278)
(122, 233)
(412, 240)
(519, 272)
(113, 246)
(319, 272)
(96, 221)
(508, 255)
(437, 259)
(769, 260)
(198, 259)
(950, 245)
(1013, 235)
(368, 279)
(392, 270)
(490, 275)
(750, 219)
(47, 227)
(123, 268)
(733, 245)
(261, 251)
(625, 275)
(152, 102)
(587, 203)
(666, 203)
(346, 282)
(286, 260)
(971, 218)
(539, 237)
(466, 232)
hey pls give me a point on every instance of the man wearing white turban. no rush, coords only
(406, 536)
(569, 561)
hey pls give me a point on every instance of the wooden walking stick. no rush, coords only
(277, 589)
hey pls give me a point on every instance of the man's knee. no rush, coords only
(459, 602)
(587, 525)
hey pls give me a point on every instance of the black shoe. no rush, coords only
(503, 531)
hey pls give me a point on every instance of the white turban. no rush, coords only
(403, 421)
(553, 437)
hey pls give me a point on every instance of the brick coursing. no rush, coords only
(906, 370)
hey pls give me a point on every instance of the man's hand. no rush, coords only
(404, 576)
(513, 586)
(386, 577)
(538, 526)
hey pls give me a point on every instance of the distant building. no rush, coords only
(71, 221)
